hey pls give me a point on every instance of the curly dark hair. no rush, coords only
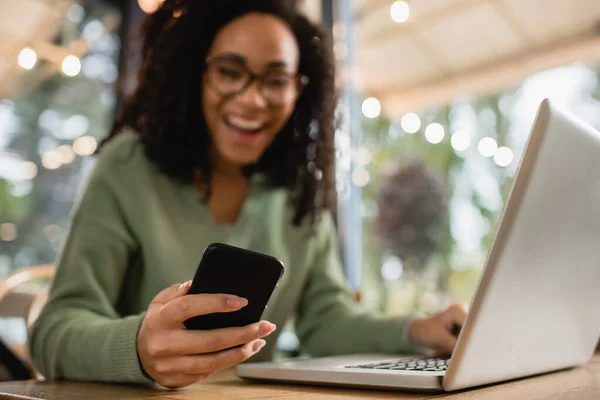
(165, 108)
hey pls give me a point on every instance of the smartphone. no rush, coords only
(231, 270)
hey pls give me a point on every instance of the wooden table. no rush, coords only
(580, 383)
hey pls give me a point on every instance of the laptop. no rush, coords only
(536, 308)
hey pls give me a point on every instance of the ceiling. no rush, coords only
(28, 23)
(451, 48)
(448, 48)
(34, 24)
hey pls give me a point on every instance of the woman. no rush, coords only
(228, 138)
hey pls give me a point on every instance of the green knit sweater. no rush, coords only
(136, 231)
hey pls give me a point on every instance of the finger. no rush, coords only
(209, 363)
(183, 342)
(171, 293)
(182, 308)
(455, 315)
(446, 342)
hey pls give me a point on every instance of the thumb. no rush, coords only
(171, 293)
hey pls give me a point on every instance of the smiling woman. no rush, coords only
(277, 82)
(228, 138)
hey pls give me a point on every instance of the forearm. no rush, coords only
(342, 330)
(80, 345)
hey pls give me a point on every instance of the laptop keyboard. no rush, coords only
(417, 364)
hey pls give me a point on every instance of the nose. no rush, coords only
(252, 97)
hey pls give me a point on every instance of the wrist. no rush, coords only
(411, 333)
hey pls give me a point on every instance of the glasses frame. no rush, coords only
(300, 80)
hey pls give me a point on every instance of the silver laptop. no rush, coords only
(537, 306)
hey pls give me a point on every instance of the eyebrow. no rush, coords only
(242, 60)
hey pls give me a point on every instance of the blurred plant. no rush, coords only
(412, 204)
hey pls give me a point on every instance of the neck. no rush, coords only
(227, 171)
(229, 188)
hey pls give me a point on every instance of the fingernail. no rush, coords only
(273, 326)
(237, 302)
(183, 285)
(265, 330)
(258, 345)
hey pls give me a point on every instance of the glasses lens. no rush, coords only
(280, 88)
(227, 77)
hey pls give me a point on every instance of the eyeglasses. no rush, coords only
(229, 76)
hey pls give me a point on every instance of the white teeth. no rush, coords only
(244, 124)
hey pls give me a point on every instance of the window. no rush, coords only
(50, 123)
(473, 146)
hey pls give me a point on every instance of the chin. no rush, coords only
(242, 160)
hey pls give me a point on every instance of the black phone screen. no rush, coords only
(231, 270)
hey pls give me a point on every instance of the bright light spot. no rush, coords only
(392, 269)
(363, 156)
(30, 170)
(93, 31)
(339, 30)
(74, 127)
(21, 188)
(361, 177)
(93, 66)
(52, 159)
(318, 174)
(487, 147)
(460, 141)
(27, 58)
(71, 66)
(371, 107)
(76, 13)
(400, 11)
(8, 232)
(503, 157)
(149, 6)
(85, 145)
(411, 123)
(110, 74)
(434, 133)
(51, 121)
(288, 341)
(67, 154)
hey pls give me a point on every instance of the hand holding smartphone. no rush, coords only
(221, 310)
(226, 269)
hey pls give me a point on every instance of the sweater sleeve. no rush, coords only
(330, 322)
(79, 334)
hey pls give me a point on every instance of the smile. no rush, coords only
(244, 125)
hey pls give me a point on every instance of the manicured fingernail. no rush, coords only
(237, 302)
(265, 330)
(183, 285)
(258, 345)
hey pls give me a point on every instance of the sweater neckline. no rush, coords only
(249, 208)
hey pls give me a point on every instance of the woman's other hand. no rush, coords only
(439, 333)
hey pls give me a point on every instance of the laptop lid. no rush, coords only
(537, 306)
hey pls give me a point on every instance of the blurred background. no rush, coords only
(438, 100)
